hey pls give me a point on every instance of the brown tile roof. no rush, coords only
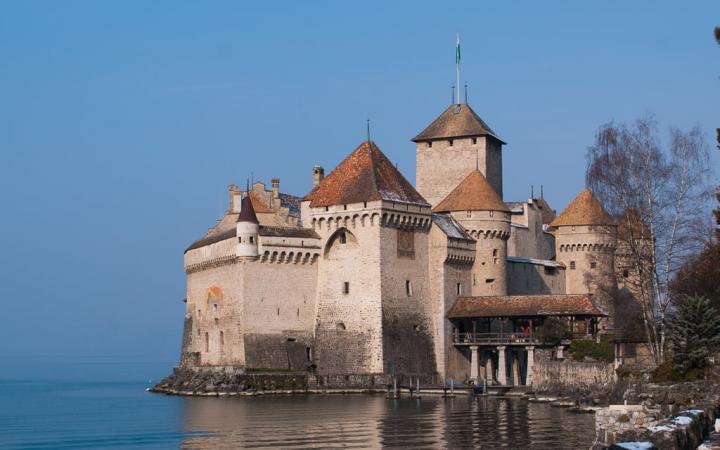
(585, 209)
(474, 193)
(524, 306)
(259, 204)
(365, 175)
(456, 121)
(247, 211)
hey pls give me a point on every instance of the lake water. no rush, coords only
(75, 410)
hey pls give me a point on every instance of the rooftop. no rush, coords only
(456, 121)
(524, 306)
(585, 209)
(450, 227)
(474, 193)
(365, 175)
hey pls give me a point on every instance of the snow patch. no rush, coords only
(635, 445)
(682, 420)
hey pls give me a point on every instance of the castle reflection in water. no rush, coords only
(374, 422)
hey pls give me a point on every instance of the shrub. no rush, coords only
(601, 351)
(552, 331)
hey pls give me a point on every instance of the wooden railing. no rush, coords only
(505, 338)
(494, 338)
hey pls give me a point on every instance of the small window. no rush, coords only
(489, 280)
(572, 228)
(458, 287)
(495, 252)
(492, 213)
(626, 273)
(240, 240)
(278, 311)
(343, 237)
(222, 341)
(408, 288)
(469, 214)
(572, 265)
(345, 207)
(593, 265)
(327, 208)
(474, 141)
(215, 307)
(346, 287)
(340, 326)
(364, 204)
(207, 342)
(252, 240)
(495, 260)
(429, 144)
(298, 313)
(450, 142)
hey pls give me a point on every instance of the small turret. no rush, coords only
(248, 229)
(482, 213)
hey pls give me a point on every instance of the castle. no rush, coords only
(368, 276)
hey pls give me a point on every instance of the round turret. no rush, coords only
(482, 213)
(585, 243)
(248, 229)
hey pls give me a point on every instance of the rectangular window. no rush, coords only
(429, 144)
(626, 273)
(346, 287)
(489, 280)
(459, 289)
(593, 265)
(450, 142)
(408, 288)
(492, 213)
(572, 228)
(252, 239)
(572, 265)
(474, 141)
(469, 214)
(343, 237)
(495, 252)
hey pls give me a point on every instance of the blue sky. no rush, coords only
(121, 124)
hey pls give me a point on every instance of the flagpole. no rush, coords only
(457, 68)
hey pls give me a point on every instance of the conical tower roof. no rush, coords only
(474, 193)
(455, 122)
(247, 212)
(365, 175)
(585, 209)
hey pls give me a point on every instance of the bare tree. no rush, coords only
(658, 194)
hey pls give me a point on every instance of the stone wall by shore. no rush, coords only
(571, 378)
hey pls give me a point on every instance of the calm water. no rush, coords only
(73, 411)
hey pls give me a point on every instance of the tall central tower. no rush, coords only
(453, 145)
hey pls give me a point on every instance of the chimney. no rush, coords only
(235, 198)
(318, 175)
(275, 193)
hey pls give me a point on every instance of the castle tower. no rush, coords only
(482, 213)
(455, 144)
(248, 229)
(585, 242)
(372, 301)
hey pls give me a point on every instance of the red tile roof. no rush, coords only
(585, 209)
(456, 121)
(524, 306)
(365, 175)
(474, 193)
(259, 204)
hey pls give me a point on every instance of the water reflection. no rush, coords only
(374, 422)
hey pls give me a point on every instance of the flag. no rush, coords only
(457, 50)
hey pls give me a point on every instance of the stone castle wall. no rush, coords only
(441, 166)
(535, 278)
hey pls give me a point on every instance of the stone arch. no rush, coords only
(342, 236)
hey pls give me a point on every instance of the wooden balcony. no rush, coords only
(494, 339)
